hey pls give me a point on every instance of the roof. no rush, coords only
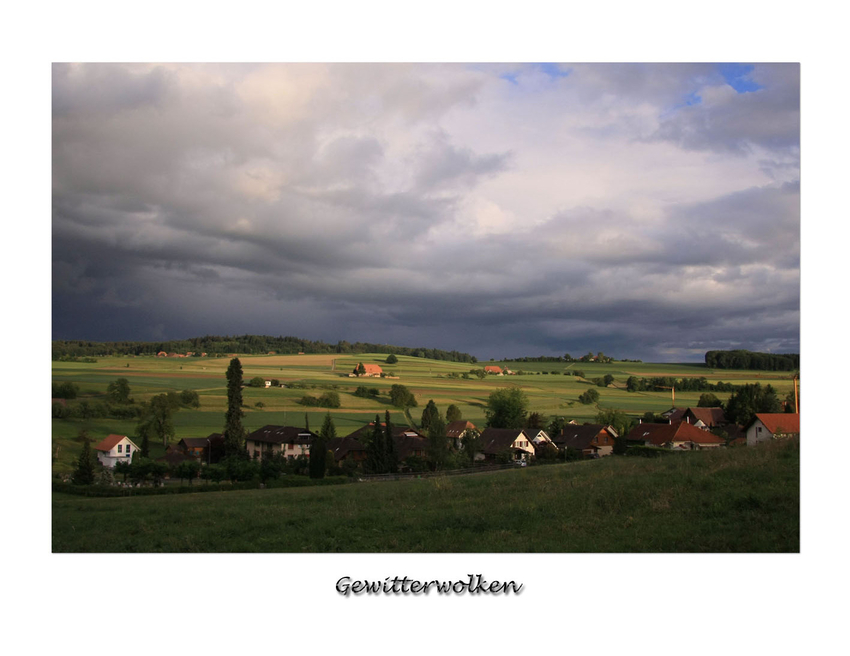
(661, 434)
(370, 368)
(711, 417)
(491, 368)
(195, 442)
(499, 439)
(397, 431)
(407, 445)
(346, 446)
(174, 458)
(579, 437)
(674, 414)
(457, 428)
(270, 434)
(110, 441)
(778, 422)
(537, 434)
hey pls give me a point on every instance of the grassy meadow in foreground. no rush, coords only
(728, 500)
(551, 393)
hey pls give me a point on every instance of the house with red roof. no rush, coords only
(767, 426)
(371, 370)
(681, 435)
(493, 369)
(115, 448)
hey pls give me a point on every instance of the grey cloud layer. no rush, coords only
(401, 202)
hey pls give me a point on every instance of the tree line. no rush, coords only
(741, 359)
(215, 345)
(661, 383)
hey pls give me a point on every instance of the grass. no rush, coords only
(729, 500)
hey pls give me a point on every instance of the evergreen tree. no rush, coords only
(438, 444)
(233, 431)
(84, 474)
(306, 422)
(429, 415)
(376, 449)
(319, 448)
(389, 443)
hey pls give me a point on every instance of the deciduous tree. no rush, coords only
(453, 413)
(118, 391)
(506, 408)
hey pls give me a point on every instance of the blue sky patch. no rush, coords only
(737, 76)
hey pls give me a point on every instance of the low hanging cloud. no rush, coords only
(644, 210)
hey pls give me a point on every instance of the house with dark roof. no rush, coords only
(767, 426)
(515, 441)
(681, 435)
(407, 442)
(706, 418)
(289, 441)
(456, 429)
(590, 439)
(115, 448)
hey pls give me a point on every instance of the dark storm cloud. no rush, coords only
(340, 203)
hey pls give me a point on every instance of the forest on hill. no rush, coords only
(214, 345)
(741, 359)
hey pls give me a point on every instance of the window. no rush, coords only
(128, 448)
(119, 448)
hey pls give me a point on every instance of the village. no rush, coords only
(676, 430)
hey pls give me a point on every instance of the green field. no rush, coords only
(552, 394)
(726, 500)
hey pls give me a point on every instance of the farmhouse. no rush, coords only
(288, 441)
(705, 417)
(590, 439)
(115, 448)
(681, 435)
(493, 369)
(370, 370)
(772, 426)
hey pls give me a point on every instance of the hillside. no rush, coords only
(735, 500)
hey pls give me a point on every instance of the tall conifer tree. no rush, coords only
(391, 456)
(233, 431)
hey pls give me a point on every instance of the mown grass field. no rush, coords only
(552, 394)
(728, 500)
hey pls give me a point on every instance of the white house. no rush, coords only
(115, 448)
(772, 425)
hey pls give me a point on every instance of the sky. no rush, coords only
(648, 211)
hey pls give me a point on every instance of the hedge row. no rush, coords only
(118, 491)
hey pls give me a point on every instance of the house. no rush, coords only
(590, 439)
(681, 435)
(538, 436)
(208, 449)
(371, 370)
(288, 441)
(496, 441)
(674, 415)
(493, 369)
(456, 429)
(115, 448)
(347, 448)
(706, 418)
(772, 426)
